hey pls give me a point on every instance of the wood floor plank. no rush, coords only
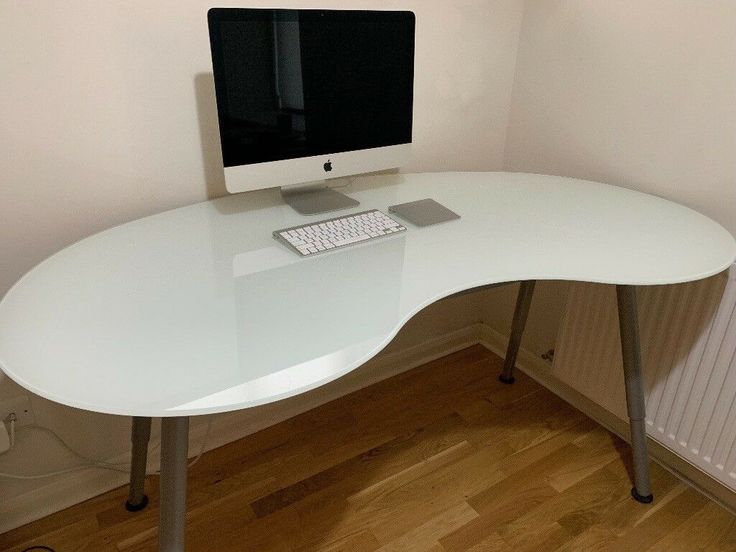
(578, 466)
(574, 509)
(526, 488)
(655, 527)
(74, 536)
(442, 458)
(545, 537)
(491, 543)
(594, 539)
(363, 541)
(709, 528)
(495, 516)
(426, 535)
(416, 471)
(623, 516)
(522, 424)
(453, 482)
(377, 465)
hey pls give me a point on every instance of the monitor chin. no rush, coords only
(312, 171)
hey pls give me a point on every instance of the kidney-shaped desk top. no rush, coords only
(199, 310)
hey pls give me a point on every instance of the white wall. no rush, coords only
(108, 115)
(636, 93)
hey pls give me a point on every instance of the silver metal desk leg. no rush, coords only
(523, 302)
(630, 349)
(140, 435)
(174, 448)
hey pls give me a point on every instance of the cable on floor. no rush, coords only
(93, 463)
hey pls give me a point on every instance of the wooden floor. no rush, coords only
(441, 458)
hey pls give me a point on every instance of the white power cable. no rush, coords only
(203, 444)
(91, 462)
(12, 419)
(60, 472)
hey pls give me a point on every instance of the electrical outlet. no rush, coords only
(21, 405)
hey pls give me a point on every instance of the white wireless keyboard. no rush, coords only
(325, 235)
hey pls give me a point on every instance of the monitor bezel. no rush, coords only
(296, 171)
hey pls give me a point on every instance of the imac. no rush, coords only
(309, 95)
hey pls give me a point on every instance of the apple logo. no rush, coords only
(328, 166)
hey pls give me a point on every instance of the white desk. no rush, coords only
(199, 310)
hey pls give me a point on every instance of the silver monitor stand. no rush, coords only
(317, 197)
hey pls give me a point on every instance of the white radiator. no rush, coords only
(688, 339)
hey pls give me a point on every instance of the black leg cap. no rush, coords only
(507, 380)
(137, 507)
(640, 498)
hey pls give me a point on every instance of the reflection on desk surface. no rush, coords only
(318, 306)
(185, 310)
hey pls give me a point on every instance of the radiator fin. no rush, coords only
(688, 339)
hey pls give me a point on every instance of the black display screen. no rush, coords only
(298, 83)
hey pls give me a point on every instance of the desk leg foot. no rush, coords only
(523, 302)
(140, 435)
(137, 506)
(643, 499)
(174, 449)
(508, 380)
(630, 352)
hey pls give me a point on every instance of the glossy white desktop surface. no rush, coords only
(199, 310)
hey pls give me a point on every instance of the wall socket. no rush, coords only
(21, 405)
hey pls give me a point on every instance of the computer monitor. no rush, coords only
(308, 95)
